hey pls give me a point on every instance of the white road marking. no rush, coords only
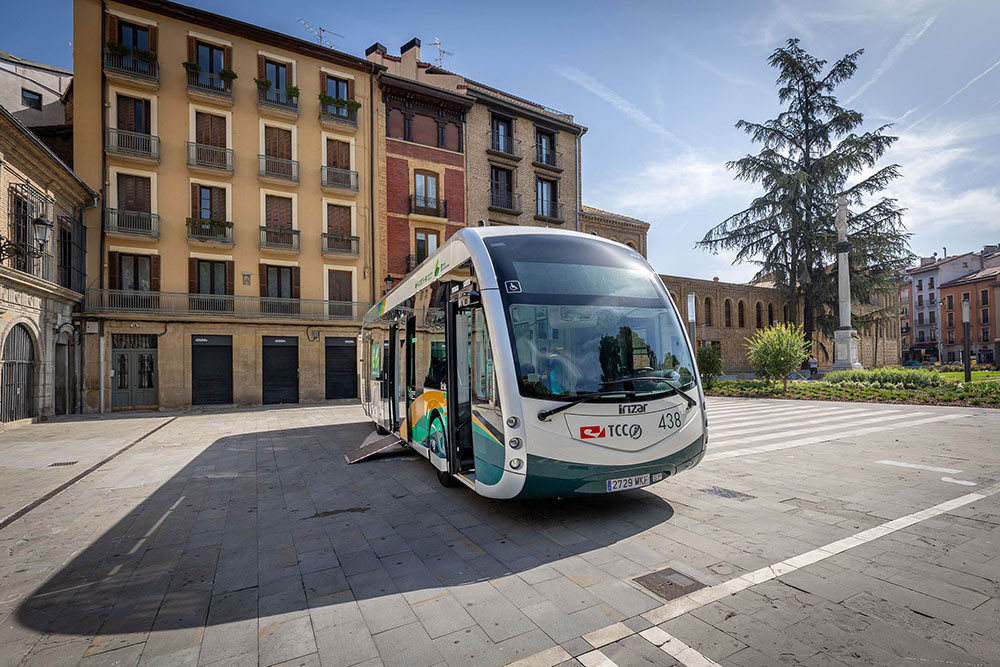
(547, 658)
(596, 659)
(963, 482)
(676, 648)
(607, 635)
(771, 434)
(735, 453)
(918, 466)
(724, 423)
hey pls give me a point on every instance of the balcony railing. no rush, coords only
(425, 205)
(176, 303)
(504, 143)
(200, 229)
(339, 178)
(549, 209)
(278, 99)
(508, 201)
(41, 266)
(279, 237)
(339, 114)
(132, 143)
(548, 157)
(210, 157)
(276, 167)
(132, 222)
(210, 83)
(131, 65)
(335, 243)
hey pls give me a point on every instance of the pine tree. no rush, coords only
(812, 153)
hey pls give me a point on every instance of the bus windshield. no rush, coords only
(586, 316)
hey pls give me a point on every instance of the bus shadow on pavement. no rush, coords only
(274, 522)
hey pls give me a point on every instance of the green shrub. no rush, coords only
(887, 377)
(709, 364)
(776, 351)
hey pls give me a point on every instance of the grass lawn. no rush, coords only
(959, 376)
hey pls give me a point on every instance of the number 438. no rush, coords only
(670, 420)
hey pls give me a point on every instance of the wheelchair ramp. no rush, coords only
(373, 444)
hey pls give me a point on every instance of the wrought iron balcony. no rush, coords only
(340, 245)
(201, 229)
(505, 144)
(209, 157)
(27, 259)
(129, 64)
(552, 210)
(505, 200)
(424, 205)
(284, 238)
(548, 157)
(142, 223)
(277, 99)
(338, 114)
(207, 82)
(137, 144)
(276, 167)
(339, 178)
(176, 303)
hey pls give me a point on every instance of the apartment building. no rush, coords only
(980, 289)
(926, 279)
(231, 259)
(42, 243)
(905, 319)
(32, 92)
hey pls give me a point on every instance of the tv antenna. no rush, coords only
(439, 60)
(319, 31)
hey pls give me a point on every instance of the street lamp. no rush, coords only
(388, 283)
(43, 231)
(966, 334)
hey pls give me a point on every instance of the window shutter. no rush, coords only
(126, 113)
(195, 200)
(112, 35)
(218, 133)
(143, 191)
(295, 282)
(219, 204)
(192, 49)
(202, 124)
(260, 66)
(263, 279)
(113, 282)
(230, 277)
(290, 74)
(270, 142)
(350, 89)
(285, 144)
(345, 154)
(154, 273)
(227, 57)
(152, 38)
(192, 275)
(322, 82)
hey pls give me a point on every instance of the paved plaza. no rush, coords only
(812, 533)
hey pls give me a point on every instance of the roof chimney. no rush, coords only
(410, 53)
(377, 47)
(945, 252)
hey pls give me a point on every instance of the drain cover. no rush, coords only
(63, 463)
(728, 493)
(669, 583)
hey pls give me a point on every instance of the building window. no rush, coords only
(930, 283)
(931, 317)
(920, 285)
(548, 198)
(279, 282)
(741, 315)
(545, 147)
(951, 319)
(133, 114)
(770, 314)
(426, 243)
(133, 36)
(728, 313)
(211, 58)
(920, 301)
(920, 319)
(951, 302)
(984, 316)
(985, 335)
(277, 142)
(31, 99)
(425, 190)
(759, 314)
(708, 311)
(951, 337)
(211, 277)
(277, 74)
(134, 193)
(984, 297)
(920, 337)
(502, 188)
(501, 135)
(134, 272)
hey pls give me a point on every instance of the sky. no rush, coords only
(661, 85)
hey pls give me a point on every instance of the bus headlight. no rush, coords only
(515, 464)
(512, 422)
(515, 443)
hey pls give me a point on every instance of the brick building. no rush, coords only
(981, 290)
(630, 231)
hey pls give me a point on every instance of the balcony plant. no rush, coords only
(207, 223)
(227, 75)
(144, 55)
(117, 48)
(263, 84)
(190, 66)
(353, 105)
(293, 91)
(325, 99)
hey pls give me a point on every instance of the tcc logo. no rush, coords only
(633, 431)
(587, 432)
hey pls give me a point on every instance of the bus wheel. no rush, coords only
(437, 439)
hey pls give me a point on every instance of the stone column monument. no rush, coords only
(845, 340)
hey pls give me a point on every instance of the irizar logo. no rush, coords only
(633, 431)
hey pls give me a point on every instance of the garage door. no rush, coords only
(211, 370)
(341, 368)
(280, 370)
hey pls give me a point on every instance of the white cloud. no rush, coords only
(719, 72)
(904, 43)
(594, 86)
(957, 93)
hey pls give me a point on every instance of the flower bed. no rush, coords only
(982, 394)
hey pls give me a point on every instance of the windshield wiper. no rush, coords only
(654, 378)
(543, 415)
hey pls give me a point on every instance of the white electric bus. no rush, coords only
(527, 362)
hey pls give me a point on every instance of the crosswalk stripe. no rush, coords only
(773, 434)
(596, 659)
(726, 424)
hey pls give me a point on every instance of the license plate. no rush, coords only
(624, 483)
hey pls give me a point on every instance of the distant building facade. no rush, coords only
(32, 92)
(629, 231)
(981, 290)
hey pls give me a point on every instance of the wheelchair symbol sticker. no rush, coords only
(513, 286)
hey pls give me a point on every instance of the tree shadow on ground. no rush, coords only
(275, 521)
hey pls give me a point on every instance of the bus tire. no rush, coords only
(437, 426)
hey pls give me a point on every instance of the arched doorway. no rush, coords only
(17, 379)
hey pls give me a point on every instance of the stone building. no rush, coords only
(41, 279)
(32, 92)
(232, 259)
(630, 231)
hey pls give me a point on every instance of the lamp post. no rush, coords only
(43, 231)
(388, 284)
(966, 331)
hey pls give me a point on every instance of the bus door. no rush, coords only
(389, 377)
(411, 371)
(458, 324)
(399, 382)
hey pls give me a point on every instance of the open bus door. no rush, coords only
(410, 345)
(458, 321)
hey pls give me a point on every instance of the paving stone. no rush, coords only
(441, 615)
(407, 646)
(285, 640)
(623, 597)
(386, 612)
(470, 646)
(562, 627)
(566, 595)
